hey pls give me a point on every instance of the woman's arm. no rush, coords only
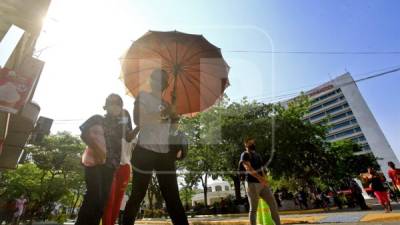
(94, 138)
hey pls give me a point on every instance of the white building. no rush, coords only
(341, 103)
(216, 191)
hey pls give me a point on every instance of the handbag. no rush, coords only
(178, 142)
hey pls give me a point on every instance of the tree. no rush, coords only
(51, 173)
(202, 159)
(343, 164)
(293, 148)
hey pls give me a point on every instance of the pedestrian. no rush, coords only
(356, 194)
(121, 176)
(394, 175)
(303, 198)
(103, 135)
(19, 207)
(379, 189)
(256, 183)
(154, 117)
(278, 198)
(7, 211)
(336, 199)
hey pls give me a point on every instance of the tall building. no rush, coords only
(340, 103)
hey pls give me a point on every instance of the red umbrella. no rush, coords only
(198, 74)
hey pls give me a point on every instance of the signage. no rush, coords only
(17, 86)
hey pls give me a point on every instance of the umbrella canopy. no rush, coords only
(197, 72)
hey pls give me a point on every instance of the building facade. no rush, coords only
(340, 104)
(19, 76)
(216, 191)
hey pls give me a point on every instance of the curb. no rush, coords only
(381, 217)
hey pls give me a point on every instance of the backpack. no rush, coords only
(241, 170)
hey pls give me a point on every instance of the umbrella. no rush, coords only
(197, 72)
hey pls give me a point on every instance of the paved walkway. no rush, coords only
(298, 217)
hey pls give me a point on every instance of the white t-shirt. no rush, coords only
(154, 136)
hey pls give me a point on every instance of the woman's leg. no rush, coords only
(253, 196)
(167, 179)
(107, 216)
(121, 182)
(142, 169)
(268, 197)
(98, 182)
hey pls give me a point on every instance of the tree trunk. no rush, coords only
(75, 203)
(205, 190)
(236, 183)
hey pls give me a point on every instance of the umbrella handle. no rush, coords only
(173, 94)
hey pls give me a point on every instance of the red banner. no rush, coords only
(16, 87)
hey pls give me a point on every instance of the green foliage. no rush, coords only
(51, 173)
(295, 150)
(344, 164)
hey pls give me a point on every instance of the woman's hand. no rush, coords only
(170, 112)
(132, 134)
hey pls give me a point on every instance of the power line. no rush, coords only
(273, 98)
(317, 52)
(293, 94)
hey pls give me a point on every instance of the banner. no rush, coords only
(16, 87)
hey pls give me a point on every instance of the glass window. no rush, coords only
(337, 108)
(226, 188)
(209, 189)
(218, 188)
(317, 116)
(337, 117)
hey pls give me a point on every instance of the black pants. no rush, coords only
(98, 183)
(143, 163)
(361, 201)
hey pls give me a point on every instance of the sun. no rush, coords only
(81, 43)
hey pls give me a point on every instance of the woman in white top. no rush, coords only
(152, 153)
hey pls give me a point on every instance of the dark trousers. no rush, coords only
(361, 201)
(98, 183)
(144, 162)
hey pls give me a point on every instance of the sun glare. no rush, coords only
(81, 43)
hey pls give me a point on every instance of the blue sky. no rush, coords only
(305, 25)
(86, 38)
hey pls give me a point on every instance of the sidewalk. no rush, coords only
(297, 217)
(293, 219)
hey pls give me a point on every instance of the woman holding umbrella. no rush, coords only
(169, 74)
(154, 116)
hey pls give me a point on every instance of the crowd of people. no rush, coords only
(12, 210)
(109, 159)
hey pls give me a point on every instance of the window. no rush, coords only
(359, 139)
(365, 147)
(340, 116)
(313, 109)
(322, 97)
(226, 188)
(218, 188)
(317, 116)
(337, 108)
(344, 133)
(209, 189)
(8, 43)
(343, 124)
(330, 138)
